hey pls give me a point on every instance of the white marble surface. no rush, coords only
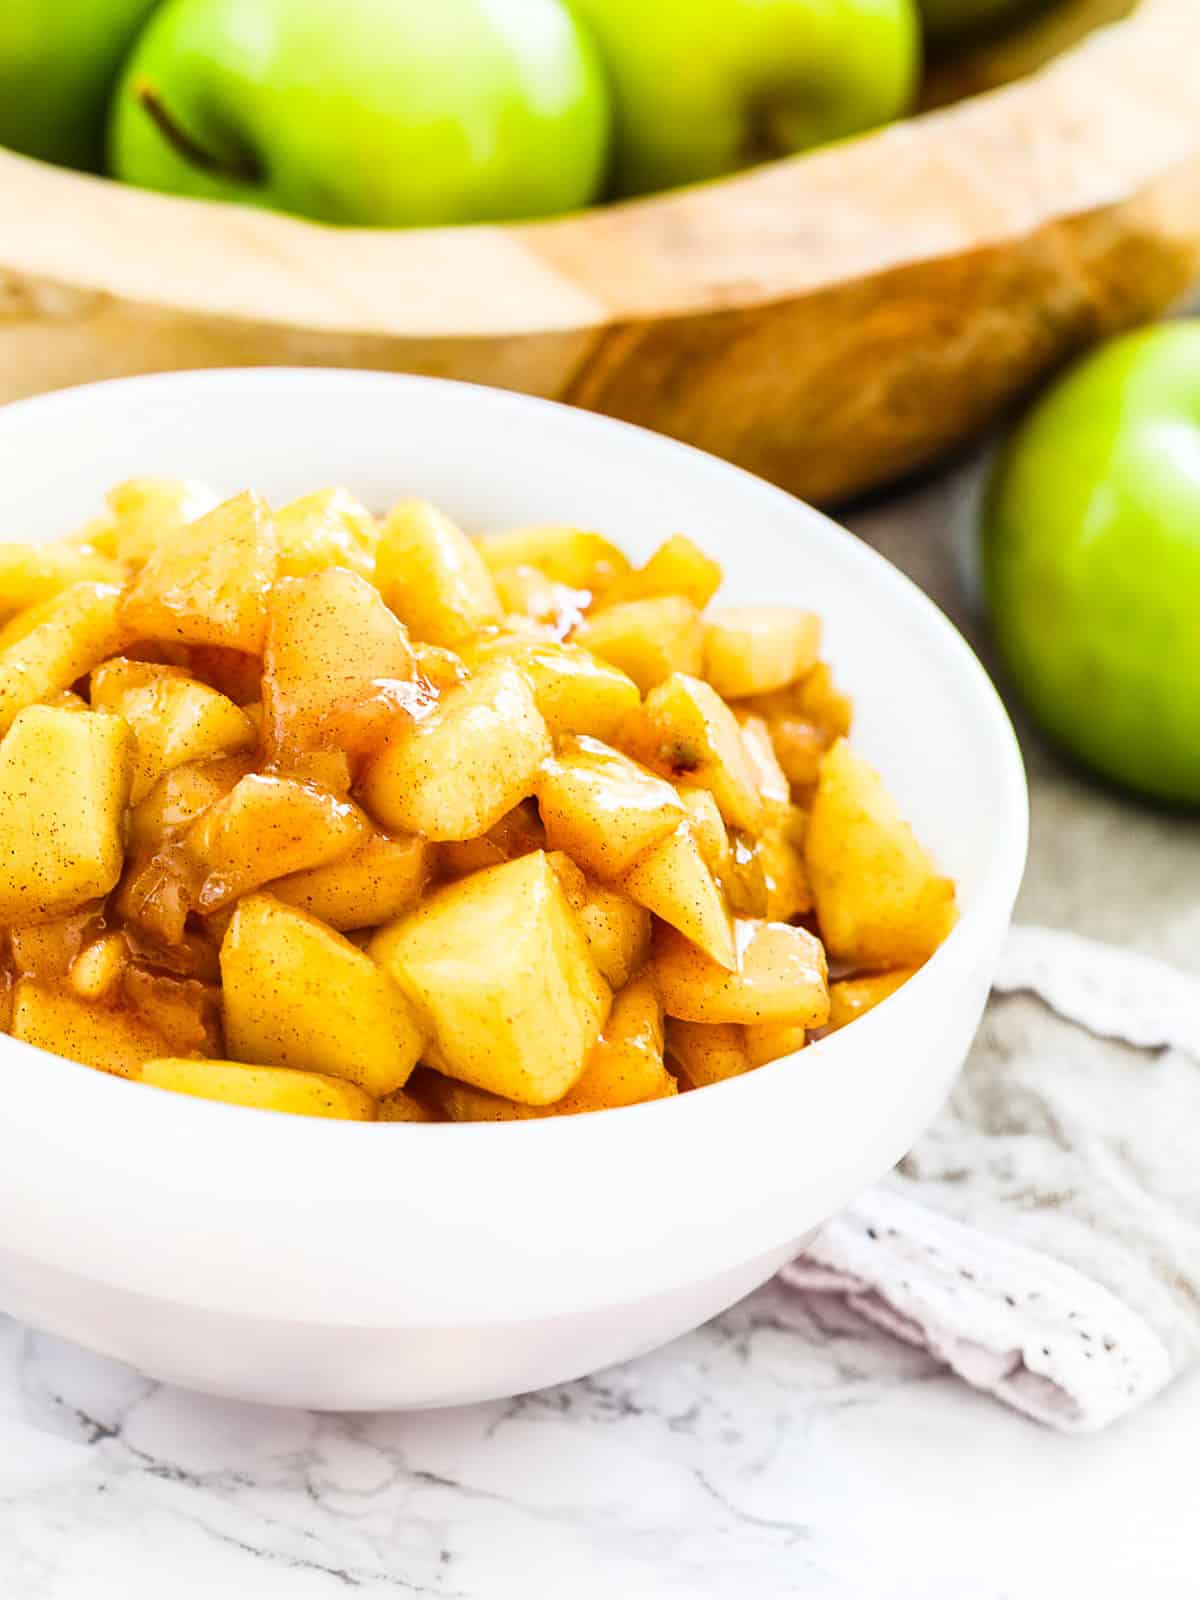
(766, 1455)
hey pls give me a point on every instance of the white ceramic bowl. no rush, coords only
(288, 1260)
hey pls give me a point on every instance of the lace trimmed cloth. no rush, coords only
(1043, 1239)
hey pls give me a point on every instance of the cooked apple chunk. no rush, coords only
(602, 808)
(297, 994)
(149, 512)
(768, 1041)
(502, 970)
(677, 567)
(754, 649)
(180, 796)
(672, 881)
(617, 930)
(706, 1052)
(208, 584)
(852, 997)
(373, 884)
(44, 649)
(575, 691)
(780, 977)
(64, 785)
(625, 1068)
(433, 577)
(173, 718)
(55, 1019)
(237, 1083)
(458, 770)
(267, 827)
(880, 901)
(327, 529)
(575, 557)
(33, 573)
(330, 642)
(647, 639)
(688, 729)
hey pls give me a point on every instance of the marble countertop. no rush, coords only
(762, 1456)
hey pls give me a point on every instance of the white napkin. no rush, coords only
(1043, 1239)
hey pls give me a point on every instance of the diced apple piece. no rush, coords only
(820, 700)
(400, 1106)
(625, 1066)
(575, 691)
(617, 930)
(371, 885)
(54, 1019)
(780, 977)
(330, 639)
(209, 583)
(602, 808)
(788, 892)
(328, 769)
(149, 512)
(33, 573)
(64, 784)
(158, 890)
(530, 596)
(442, 669)
(852, 997)
(770, 779)
(268, 827)
(185, 1011)
(502, 969)
(47, 949)
(689, 729)
(517, 833)
(768, 1041)
(880, 901)
(180, 796)
(297, 994)
(672, 881)
(754, 649)
(457, 771)
(97, 970)
(708, 827)
(174, 719)
(45, 648)
(706, 1052)
(797, 743)
(677, 567)
(327, 529)
(647, 639)
(463, 1102)
(575, 557)
(303, 1094)
(432, 576)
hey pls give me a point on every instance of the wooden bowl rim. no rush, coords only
(1094, 125)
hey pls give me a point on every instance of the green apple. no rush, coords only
(374, 112)
(1091, 560)
(953, 19)
(58, 59)
(703, 87)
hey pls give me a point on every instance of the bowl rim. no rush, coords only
(1005, 867)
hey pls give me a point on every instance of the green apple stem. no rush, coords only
(237, 166)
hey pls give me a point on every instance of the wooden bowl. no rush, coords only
(831, 321)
